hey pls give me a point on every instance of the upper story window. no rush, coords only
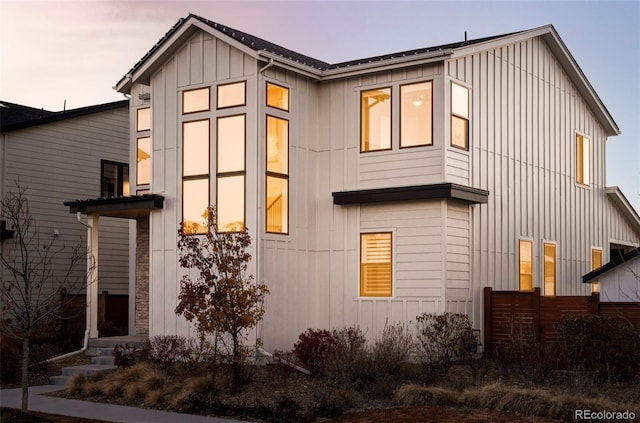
(525, 257)
(143, 119)
(277, 96)
(583, 160)
(114, 177)
(231, 95)
(416, 114)
(459, 116)
(376, 273)
(196, 101)
(375, 112)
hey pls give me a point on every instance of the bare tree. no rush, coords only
(37, 274)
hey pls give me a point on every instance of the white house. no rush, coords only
(78, 153)
(375, 189)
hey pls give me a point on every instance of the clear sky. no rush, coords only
(75, 51)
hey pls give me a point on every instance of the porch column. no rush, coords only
(92, 277)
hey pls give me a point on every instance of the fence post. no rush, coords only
(487, 319)
(535, 302)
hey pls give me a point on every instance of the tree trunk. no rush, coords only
(25, 373)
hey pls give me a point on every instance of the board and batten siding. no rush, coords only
(620, 231)
(60, 161)
(202, 61)
(525, 114)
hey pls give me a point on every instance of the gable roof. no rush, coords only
(57, 116)
(620, 201)
(591, 276)
(317, 69)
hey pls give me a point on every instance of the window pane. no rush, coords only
(416, 114)
(376, 120)
(460, 100)
(459, 132)
(583, 160)
(231, 144)
(143, 159)
(195, 148)
(195, 100)
(549, 270)
(277, 205)
(143, 119)
(230, 203)
(125, 180)
(526, 265)
(375, 265)
(195, 200)
(230, 95)
(277, 145)
(277, 96)
(596, 263)
(109, 180)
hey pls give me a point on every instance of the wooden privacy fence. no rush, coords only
(527, 316)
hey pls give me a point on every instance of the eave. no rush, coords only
(620, 201)
(411, 193)
(122, 207)
(593, 276)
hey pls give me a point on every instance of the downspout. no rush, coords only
(85, 341)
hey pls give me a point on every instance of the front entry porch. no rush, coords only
(138, 208)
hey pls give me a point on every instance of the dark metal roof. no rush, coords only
(12, 113)
(615, 262)
(415, 192)
(124, 207)
(258, 44)
(67, 114)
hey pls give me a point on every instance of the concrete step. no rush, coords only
(87, 369)
(103, 359)
(137, 341)
(59, 380)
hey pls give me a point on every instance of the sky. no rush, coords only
(56, 54)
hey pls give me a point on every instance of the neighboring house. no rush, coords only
(79, 153)
(375, 189)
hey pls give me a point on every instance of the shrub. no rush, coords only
(392, 349)
(411, 395)
(607, 348)
(165, 350)
(442, 338)
(313, 349)
(349, 362)
(127, 355)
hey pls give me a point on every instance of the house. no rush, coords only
(78, 153)
(375, 189)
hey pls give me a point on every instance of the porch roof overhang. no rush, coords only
(414, 192)
(122, 207)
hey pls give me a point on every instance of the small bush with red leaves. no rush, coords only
(313, 348)
(165, 350)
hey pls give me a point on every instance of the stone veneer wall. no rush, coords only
(142, 276)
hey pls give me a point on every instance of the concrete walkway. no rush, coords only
(12, 398)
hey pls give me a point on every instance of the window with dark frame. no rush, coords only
(459, 116)
(277, 160)
(195, 175)
(114, 179)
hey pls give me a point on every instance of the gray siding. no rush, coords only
(60, 161)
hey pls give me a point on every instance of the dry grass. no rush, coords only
(75, 384)
(192, 390)
(415, 395)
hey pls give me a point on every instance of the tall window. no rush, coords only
(376, 273)
(525, 254)
(230, 187)
(114, 177)
(277, 158)
(143, 149)
(376, 120)
(549, 269)
(459, 116)
(583, 159)
(416, 114)
(596, 263)
(195, 175)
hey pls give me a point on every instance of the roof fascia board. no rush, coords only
(172, 45)
(618, 199)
